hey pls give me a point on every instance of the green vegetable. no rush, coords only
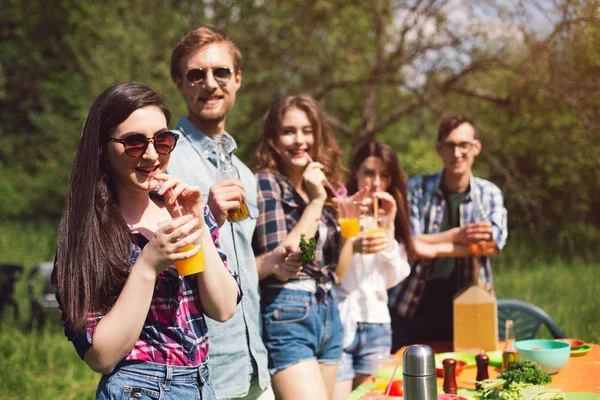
(498, 389)
(307, 250)
(526, 391)
(525, 372)
(490, 388)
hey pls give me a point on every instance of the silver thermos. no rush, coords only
(418, 370)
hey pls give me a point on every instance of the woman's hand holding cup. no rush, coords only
(175, 240)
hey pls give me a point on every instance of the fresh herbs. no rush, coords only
(307, 250)
(520, 381)
(518, 391)
(525, 372)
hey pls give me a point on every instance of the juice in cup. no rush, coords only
(375, 231)
(350, 227)
(384, 366)
(381, 384)
(192, 265)
(350, 213)
(377, 225)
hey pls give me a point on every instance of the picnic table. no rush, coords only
(579, 378)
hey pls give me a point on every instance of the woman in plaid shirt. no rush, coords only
(301, 325)
(128, 313)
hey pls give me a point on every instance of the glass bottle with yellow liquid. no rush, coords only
(226, 169)
(510, 354)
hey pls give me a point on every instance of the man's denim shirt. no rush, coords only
(230, 359)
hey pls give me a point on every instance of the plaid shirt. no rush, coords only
(174, 332)
(280, 208)
(427, 204)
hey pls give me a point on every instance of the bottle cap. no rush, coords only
(418, 360)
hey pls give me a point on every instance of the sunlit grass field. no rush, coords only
(42, 364)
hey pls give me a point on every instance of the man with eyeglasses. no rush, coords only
(451, 206)
(206, 67)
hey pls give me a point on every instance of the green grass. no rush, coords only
(44, 365)
(569, 293)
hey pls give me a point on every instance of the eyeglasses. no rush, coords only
(196, 76)
(136, 144)
(463, 147)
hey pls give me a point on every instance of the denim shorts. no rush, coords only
(146, 380)
(370, 340)
(298, 327)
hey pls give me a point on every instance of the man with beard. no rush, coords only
(206, 67)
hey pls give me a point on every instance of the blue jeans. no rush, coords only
(370, 340)
(298, 327)
(146, 380)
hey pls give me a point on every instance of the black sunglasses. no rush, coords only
(196, 76)
(136, 144)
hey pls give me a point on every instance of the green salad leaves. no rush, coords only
(307, 250)
(492, 390)
(523, 380)
(525, 372)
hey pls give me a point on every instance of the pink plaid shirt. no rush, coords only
(175, 331)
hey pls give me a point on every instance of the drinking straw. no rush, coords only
(340, 193)
(177, 206)
(389, 386)
(375, 210)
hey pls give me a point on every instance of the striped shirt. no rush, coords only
(427, 204)
(174, 332)
(280, 208)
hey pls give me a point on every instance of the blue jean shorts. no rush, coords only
(298, 327)
(145, 380)
(370, 340)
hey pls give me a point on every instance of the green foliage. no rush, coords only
(525, 372)
(366, 62)
(307, 250)
(493, 389)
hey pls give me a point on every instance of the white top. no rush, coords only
(363, 292)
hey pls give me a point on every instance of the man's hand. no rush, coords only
(225, 196)
(476, 232)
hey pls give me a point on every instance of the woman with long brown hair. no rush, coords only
(129, 314)
(301, 326)
(379, 262)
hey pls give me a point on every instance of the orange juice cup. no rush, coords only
(379, 226)
(384, 365)
(192, 265)
(349, 217)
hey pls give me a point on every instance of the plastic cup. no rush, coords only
(379, 226)
(383, 366)
(350, 212)
(192, 265)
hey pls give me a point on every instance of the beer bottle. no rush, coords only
(226, 169)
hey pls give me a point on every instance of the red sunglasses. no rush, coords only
(136, 144)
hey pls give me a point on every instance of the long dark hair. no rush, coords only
(397, 187)
(94, 241)
(325, 148)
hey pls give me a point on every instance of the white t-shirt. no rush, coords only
(363, 292)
